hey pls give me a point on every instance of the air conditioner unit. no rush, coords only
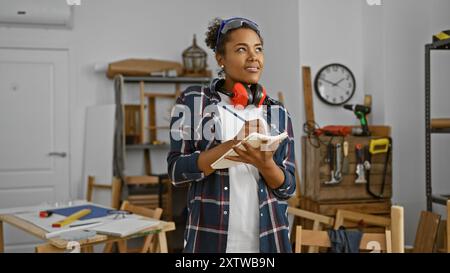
(36, 13)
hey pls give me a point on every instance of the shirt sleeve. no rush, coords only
(284, 157)
(183, 156)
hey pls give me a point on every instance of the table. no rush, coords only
(28, 227)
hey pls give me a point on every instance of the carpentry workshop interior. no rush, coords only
(97, 99)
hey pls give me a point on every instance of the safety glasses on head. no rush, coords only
(234, 23)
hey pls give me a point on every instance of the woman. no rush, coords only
(241, 208)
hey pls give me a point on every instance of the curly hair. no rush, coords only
(211, 36)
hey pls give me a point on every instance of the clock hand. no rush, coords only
(323, 79)
(338, 82)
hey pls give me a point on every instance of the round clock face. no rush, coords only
(335, 84)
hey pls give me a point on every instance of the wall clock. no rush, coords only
(335, 84)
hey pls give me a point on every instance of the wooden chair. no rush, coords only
(374, 242)
(115, 187)
(319, 221)
(394, 224)
(152, 242)
(152, 201)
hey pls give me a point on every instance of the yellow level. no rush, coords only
(72, 218)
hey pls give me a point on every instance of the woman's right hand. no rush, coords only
(250, 126)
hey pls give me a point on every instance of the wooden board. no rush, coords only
(327, 208)
(99, 149)
(426, 232)
(315, 172)
(307, 94)
(440, 123)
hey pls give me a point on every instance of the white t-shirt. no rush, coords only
(243, 226)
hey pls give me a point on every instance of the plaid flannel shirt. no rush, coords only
(208, 196)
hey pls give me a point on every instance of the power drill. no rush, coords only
(361, 113)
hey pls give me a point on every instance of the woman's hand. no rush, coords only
(262, 159)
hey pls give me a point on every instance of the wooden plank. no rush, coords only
(116, 190)
(357, 217)
(142, 112)
(2, 246)
(142, 180)
(311, 215)
(152, 118)
(426, 232)
(397, 229)
(298, 239)
(307, 94)
(159, 95)
(330, 208)
(440, 123)
(448, 226)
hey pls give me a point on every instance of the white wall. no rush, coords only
(110, 30)
(331, 31)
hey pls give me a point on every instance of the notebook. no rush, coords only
(256, 141)
(125, 227)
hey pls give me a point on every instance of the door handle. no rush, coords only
(63, 154)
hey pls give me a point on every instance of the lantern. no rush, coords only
(194, 60)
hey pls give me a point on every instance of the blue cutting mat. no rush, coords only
(96, 212)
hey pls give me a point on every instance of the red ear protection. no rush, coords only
(243, 95)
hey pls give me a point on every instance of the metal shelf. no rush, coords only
(432, 198)
(440, 131)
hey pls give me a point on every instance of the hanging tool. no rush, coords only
(379, 146)
(338, 170)
(330, 159)
(360, 171)
(345, 163)
(361, 113)
(334, 130)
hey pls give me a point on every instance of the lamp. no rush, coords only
(194, 60)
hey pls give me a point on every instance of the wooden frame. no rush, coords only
(151, 115)
(318, 221)
(321, 239)
(395, 224)
(115, 187)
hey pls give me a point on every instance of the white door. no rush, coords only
(34, 133)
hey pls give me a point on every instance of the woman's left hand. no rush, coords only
(259, 158)
(262, 159)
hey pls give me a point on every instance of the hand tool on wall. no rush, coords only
(379, 146)
(338, 170)
(330, 160)
(360, 171)
(345, 163)
(361, 113)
